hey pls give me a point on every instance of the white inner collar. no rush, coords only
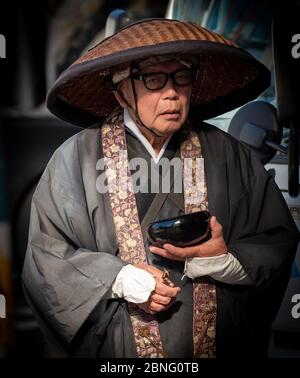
(129, 123)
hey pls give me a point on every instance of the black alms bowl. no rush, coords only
(181, 231)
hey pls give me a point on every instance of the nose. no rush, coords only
(170, 90)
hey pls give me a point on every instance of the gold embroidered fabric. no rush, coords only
(130, 238)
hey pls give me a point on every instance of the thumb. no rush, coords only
(216, 227)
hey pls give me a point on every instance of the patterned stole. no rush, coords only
(130, 238)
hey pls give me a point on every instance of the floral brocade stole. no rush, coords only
(130, 238)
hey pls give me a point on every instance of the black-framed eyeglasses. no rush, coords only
(157, 80)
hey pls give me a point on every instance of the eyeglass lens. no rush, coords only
(159, 80)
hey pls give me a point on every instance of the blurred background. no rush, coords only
(38, 41)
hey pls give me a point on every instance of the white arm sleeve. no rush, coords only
(133, 284)
(224, 268)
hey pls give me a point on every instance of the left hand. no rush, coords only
(163, 296)
(215, 246)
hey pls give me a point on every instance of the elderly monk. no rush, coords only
(96, 284)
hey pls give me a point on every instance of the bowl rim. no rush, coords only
(180, 217)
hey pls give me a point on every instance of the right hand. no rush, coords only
(163, 295)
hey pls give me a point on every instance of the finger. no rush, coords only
(216, 228)
(164, 253)
(144, 307)
(159, 299)
(168, 282)
(152, 308)
(183, 252)
(162, 307)
(166, 290)
(156, 307)
(156, 249)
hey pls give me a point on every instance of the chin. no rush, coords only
(166, 131)
(173, 126)
(167, 127)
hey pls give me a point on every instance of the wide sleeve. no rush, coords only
(261, 232)
(257, 224)
(64, 274)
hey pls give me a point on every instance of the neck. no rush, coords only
(156, 142)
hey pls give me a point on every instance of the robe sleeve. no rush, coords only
(261, 234)
(64, 274)
(257, 225)
(224, 268)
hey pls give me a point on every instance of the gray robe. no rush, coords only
(72, 257)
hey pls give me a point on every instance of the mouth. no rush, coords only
(170, 114)
(170, 111)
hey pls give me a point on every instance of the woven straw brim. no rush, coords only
(228, 76)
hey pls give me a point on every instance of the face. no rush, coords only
(163, 110)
